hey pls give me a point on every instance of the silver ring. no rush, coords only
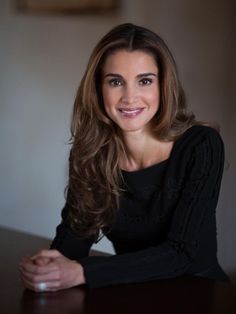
(42, 286)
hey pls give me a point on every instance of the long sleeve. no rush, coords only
(68, 243)
(193, 212)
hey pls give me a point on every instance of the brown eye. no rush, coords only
(115, 82)
(145, 81)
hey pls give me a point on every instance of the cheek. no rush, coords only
(106, 102)
(153, 97)
(109, 98)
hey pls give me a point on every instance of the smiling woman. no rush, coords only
(143, 172)
(130, 89)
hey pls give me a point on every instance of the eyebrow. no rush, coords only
(138, 76)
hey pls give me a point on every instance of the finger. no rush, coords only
(53, 276)
(37, 287)
(50, 286)
(41, 261)
(30, 267)
(47, 253)
(26, 259)
(25, 263)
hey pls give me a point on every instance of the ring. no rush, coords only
(42, 286)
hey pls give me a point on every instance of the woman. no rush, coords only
(143, 172)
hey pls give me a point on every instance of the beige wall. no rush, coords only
(42, 59)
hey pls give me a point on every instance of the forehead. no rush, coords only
(124, 60)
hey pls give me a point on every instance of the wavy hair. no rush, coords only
(95, 180)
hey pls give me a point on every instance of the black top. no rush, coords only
(166, 224)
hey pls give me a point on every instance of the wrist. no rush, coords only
(80, 278)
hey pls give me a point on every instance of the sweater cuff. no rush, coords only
(93, 267)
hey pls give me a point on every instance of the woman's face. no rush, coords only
(130, 89)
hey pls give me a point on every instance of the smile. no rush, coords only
(130, 112)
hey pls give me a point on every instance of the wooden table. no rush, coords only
(185, 295)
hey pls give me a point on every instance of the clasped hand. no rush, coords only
(49, 270)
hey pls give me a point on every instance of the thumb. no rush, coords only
(44, 255)
(41, 261)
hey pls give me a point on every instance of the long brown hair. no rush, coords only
(95, 178)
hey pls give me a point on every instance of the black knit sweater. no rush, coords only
(166, 225)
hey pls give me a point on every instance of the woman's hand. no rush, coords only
(49, 270)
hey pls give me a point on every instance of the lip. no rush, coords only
(130, 112)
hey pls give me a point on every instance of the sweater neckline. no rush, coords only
(146, 169)
(145, 178)
(160, 164)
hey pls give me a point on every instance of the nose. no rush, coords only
(129, 94)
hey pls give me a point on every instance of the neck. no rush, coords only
(143, 150)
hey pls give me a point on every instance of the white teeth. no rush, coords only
(130, 110)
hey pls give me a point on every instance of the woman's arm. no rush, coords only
(57, 268)
(49, 270)
(68, 243)
(174, 256)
